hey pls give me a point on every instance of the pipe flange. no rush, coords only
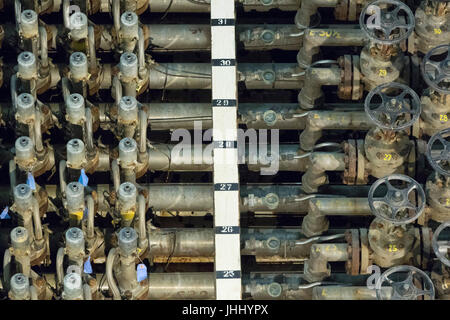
(349, 175)
(345, 86)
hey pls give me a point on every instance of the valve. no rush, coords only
(386, 146)
(127, 197)
(397, 207)
(75, 107)
(20, 287)
(386, 23)
(439, 158)
(402, 280)
(441, 248)
(395, 112)
(386, 26)
(391, 235)
(436, 68)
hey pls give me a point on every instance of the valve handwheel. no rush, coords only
(402, 282)
(394, 112)
(441, 248)
(379, 23)
(436, 68)
(397, 206)
(438, 152)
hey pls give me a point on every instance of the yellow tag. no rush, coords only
(387, 157)
(382, 72)
(78, 215)
(128, 215)
(437, 31)
(443, 117)
(316, 116)
(393, 248)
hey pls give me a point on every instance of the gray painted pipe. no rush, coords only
(180, 286)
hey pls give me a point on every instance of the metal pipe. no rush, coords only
(33, 293)
(12, 175)
(171, 157)
(113, 253)
(332, 37)
(92, 51)
(336, 120)
(309, 8)
(187, 242)
(342, 206)
(13, 90)
(65, 88)
(37, 221)
(59, 267)
(116, 14)
(89, 132)
(346, 293)
(37, 131)
(317, 266)
(320, 163)
(180, 286)
(90, 218)
(198, 76)
(142, 131)
(141, 54)
(65, 8)
(6, 269)
(143, 242)
(62, 177)
(87, 293)
(115, 172)
(44, 50)
(117, 89)
(314, 80)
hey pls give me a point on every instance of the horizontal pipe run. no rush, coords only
(342, 206)
(346, 293)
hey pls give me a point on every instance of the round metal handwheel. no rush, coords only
(387, 26)
(438, 152)
(398, 206)
(441, 248)
(401, 284)
(436, 68)
(396, 111)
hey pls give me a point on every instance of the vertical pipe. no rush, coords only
(59, 267)
(109, 272)
(37, 221)
(90, 217)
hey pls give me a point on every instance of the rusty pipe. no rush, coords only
(112, 255)
(315, 78)
(308, 8)
(316, 221)
(316, 121)
(332, 37)
(320, 163)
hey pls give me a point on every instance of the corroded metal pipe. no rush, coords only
(179, 286)
(332, 37)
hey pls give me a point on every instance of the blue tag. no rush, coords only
(87, 266)
(85, 213)
(4, 214)
(141, 272)
(83, 178)
(30, 181)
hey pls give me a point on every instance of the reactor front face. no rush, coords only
(225, 150)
